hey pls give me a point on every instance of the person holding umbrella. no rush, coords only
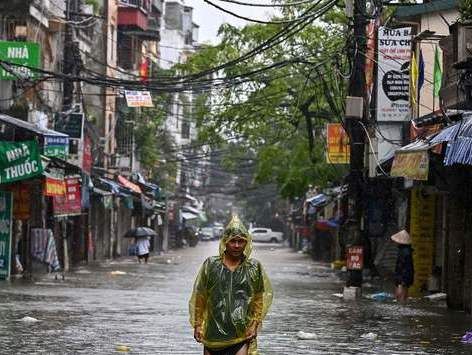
(141, 236)
(142, 249)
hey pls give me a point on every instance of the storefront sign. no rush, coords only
(19, 161)
(57, 147)
(70, 124)
(355, 258)
(422, 222)
(87, 161)
(412, 165)
(70, 203)
(21, 201)
(22, 53)
(5, 234)
(138, 99)
(338, 150)
(54, 187)
(393, 80)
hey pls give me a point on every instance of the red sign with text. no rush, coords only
(70, 203)
(87, 160)
(355, 258)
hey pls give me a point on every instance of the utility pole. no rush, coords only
(355, 130)
(68, 62)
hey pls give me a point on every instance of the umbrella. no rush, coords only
(140, 232)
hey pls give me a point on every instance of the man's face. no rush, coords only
(235, 247)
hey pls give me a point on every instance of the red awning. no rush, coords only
(125, 182)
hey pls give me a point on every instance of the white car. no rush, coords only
(266, 235)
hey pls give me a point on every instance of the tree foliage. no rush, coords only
(278, 114)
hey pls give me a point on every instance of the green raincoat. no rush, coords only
(224, 302)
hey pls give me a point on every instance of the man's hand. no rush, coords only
(198, 333)
(251, 332)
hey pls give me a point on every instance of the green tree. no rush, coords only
(278, 114)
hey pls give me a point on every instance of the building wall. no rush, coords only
(435, 22)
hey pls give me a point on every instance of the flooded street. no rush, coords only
(94, 310)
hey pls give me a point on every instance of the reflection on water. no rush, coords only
(94, 311)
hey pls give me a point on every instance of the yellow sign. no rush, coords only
(422, 216)
(338, 150)
(412, 165)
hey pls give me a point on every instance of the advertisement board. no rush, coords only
(71, 202)
(393, 79)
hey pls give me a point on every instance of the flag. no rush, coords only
(437, 74)
(413, 79)
(420, 72)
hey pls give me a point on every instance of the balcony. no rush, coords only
(151, 34)
(133, 14)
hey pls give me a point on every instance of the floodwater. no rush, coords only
(94, 311)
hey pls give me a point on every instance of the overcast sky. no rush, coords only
(210, 18)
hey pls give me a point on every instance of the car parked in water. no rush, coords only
(266, 235)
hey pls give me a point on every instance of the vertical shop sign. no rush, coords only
(87, 156)
(422, 218)
(71, 202)
(393, 79)
(338, 150)
(5, 234)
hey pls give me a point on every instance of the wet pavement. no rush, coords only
(95, 310)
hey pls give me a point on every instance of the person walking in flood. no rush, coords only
(404, 270)
(142, 249)
(231, 296)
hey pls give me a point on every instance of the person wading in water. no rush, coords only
(231, 296)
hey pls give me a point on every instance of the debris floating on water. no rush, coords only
(306, 336)
(338, 295)
(369, 336)
(117, 272)
(28, 320)
(436, 297)
(122, 348)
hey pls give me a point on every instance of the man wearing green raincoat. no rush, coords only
(231, 296)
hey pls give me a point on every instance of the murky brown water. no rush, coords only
(92, 312)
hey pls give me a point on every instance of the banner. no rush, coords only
(412, 165)
(338, 150)
(54, 187)
(19, 161)
(5, 234)
(87, 160)
(394, 52)
(422, 218)
(71, 202)
(22, 53)
(57, 147)
(138, 99)
(21, 201)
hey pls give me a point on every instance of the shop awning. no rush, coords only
(30, 126)
(114, 187)
(125, 182)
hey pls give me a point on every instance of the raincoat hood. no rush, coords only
(236, 228)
